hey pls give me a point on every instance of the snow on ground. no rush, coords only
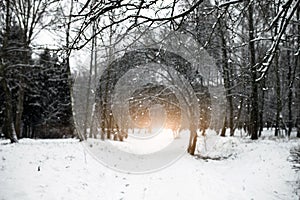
(62, 169)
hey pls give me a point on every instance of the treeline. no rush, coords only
(256, 45)
(35, 93)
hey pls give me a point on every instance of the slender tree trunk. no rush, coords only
(239, 114)
(277, 86)
(227, 82)
(108, 117)
(9, 129)
(90, 81)
(261, 113)
(278, 95)
(87, 103)
(291, 79)
(253, 129)
(193, 137)
(223, 131)
(94, 133)
(68, 54)
(93, 63)
(297, 63)
(103, 118)
(19, 114)
(231, 117)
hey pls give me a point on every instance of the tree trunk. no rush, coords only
(87, 105)
(253, 129)
(223, 131)
(297, 63)
(227, 81)
(277, 86)
(278, 96)
(291, 79)
(111, 57)
(9, 129)
(240, 108)
(261, 113)
(70, 83)
(20, 108)
(193, 139)
(92, 132)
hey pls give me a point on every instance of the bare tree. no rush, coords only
(250, 45)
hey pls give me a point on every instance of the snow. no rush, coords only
(239, 168)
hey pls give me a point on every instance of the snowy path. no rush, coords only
(61, 169)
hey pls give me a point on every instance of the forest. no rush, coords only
(149, 99)
(254, 45)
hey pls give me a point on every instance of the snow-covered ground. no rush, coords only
(63, 169)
